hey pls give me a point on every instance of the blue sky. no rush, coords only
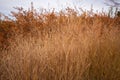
(7, 5)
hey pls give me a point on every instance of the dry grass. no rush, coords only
(62, 46)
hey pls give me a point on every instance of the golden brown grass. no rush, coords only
(62, 46)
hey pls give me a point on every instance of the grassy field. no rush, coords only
(67, 45)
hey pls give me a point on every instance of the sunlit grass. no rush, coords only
(59, 46)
